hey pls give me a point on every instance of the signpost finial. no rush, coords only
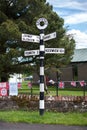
(42, 20)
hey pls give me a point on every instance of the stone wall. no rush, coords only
(27, 103)
(64, 106)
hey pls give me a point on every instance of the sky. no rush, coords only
(74, 13)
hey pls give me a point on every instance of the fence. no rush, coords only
(55, 91)
(62, 88)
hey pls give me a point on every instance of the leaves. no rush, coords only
(17, 17)
(9, 30)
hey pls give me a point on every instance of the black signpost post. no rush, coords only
(42, 50)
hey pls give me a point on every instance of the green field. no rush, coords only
(47, 118)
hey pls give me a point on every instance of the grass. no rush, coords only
(71, 93)
(54, 92)
(47, 118)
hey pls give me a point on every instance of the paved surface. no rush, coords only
(24, 126)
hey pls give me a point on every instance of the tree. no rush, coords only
(17, 17)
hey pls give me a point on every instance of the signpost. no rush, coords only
(50, 36)
(39, 21)
(30, 38)
(54, 50)
(36, 38)
(31, 53)
(47, 51)
(42, 50)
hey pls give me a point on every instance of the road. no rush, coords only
(25, 126)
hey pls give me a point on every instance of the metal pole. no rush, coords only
(42, 50)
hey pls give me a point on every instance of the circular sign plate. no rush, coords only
(38, 23)
(3, 91)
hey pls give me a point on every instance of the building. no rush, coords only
(76, 70)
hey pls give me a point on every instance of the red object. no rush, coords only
(82, 83)
(30, 85)
(4, 86)
(61, 84)
(73, 83)
(47, 80)
(19, 85)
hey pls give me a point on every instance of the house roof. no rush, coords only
(80, 55)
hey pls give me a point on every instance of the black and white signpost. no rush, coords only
(42, 50)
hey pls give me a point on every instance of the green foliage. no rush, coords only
(17, 17)
(3, 17)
